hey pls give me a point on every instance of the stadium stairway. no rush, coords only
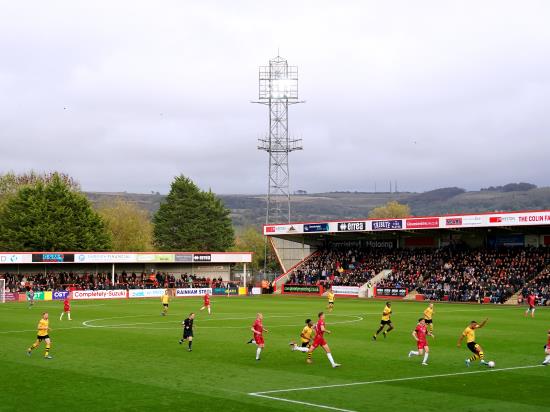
(281, 280)
(513, 299)
(367, 290)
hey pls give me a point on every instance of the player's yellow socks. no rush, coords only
(34, 346)
(474, 357)
(309, 355)
(47, 350)
(481, 355)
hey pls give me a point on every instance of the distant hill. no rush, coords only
(250, 209)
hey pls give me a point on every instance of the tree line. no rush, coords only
(48, 212)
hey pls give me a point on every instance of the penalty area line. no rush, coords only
(316, 405)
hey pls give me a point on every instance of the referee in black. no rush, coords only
(188, 330)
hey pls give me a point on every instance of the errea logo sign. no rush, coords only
(352, 226)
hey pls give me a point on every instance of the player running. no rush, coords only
(330, 297)
(428, 315)
(206, 304)
(305, 338)
(66, 309)
(320, 341)
(531, 300)
(165, 299)
(258, 337)
(30, 297)
(547, 351)
(42, 335)
(470, 335)
(419, 335)
(386, 320)
(188, 331)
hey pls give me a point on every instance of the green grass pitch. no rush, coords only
(122, 355)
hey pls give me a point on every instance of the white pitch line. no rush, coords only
(301, 403)
(396, 380)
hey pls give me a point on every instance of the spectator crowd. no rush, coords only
(454, 274)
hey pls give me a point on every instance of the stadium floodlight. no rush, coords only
(278, 88)
(2, 290)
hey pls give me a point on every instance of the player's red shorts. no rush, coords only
(259, 339)
(319, 341)
(421, 344)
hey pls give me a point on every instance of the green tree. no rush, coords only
(251, 240)
(129, 225)
(51, 216)
(392, 209)
(192, 220)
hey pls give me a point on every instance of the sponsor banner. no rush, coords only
(242, 291)
(15, 258)
(390, 292)
(350, 244)
(394, 224)
(316, 227)
(281, 229)
(310, 289)
(156, 257)
(11, 297)
(534, 218)
(48, 295)
(256, 291)
(145, 293)
(472, 220)
(202, 257)
(60, 294)
(106, 257)
(52, 257)
(453, 221)
(190, 292)
(225, 291)
(352, 226)
(504, 220)
(231, 257)
(506, 241)
(346, 290)
(98, 294)
(184, 257)
(387, 244)
(37, 296)
(422, 223)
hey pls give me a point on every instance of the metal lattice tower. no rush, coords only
(278, 89)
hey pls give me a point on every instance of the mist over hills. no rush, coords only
(250, 209)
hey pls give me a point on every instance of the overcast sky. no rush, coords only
(124, 95)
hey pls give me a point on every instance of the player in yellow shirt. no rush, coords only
(330, 297)
(306, 337)
(385, 321)
(470, 334)
(42, 335)
(428, 315)
(165, 299)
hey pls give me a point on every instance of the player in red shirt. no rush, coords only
(547, 351)
(319, 340)
(258, 337)
(206, 303)
(66, 309)
(419, 334)
(531, 299)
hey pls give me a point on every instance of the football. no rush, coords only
(491, 364)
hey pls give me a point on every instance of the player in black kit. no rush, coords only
(188, 330)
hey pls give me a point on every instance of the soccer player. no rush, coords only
(305, 338)
(330, 296)
(419, 335)
(547, 351)
(258, 337)
(30, 296)
(66, 309)
(428, 315)
(386, 320)
(42, 335)
(206, 304)
(165, 299)
(320, 341)
(188, 331)
(470, 335)
(531, 299)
